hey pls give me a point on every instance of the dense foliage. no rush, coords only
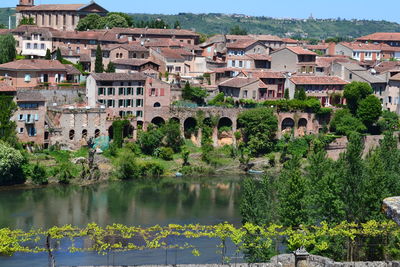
(11, 165)
(7, 48)
(194, 94)
(7, 126)
(98, 64)
(259, 127)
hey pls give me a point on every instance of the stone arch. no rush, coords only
(175, 119)
(302, 127)
(128, 131)
(71, 135)
(84, 134)
(189, 127)
(303, 123)
(157, 105)
(288, 123)
(225, 128)
(225, 122)
(111, 132)
(96, 133)
(158, 121)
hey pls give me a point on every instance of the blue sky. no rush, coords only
(361, 9)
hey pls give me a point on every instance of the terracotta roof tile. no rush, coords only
(381, 36)
(266, 37)
(30, 95)
(260, 57)
(290, 41)
(395, 77)
(361, 46)
(5, 87)
(317, 47)
(300, 51)
(317, 80)
(33, 64)
(241, 44)
(56, 7)
(133, 62)
(238, 82)
(269, 75)
(144, 31)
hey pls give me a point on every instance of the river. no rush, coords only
(184, 201)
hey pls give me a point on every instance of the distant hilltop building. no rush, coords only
(63, 17)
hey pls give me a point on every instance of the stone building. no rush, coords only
(128, 95)
(63, 17)
(294, 59)
(30, 118)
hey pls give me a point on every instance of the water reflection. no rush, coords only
(204, 201)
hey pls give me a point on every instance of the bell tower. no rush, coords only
(26, 3)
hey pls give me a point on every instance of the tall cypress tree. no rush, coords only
(48, 54)
(7, 48)
(98, 65)
(58, 55)
(110, 68)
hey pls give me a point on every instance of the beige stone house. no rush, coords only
(294, 59)
(33, 41)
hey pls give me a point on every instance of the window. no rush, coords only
(390, 100)
(351, 76)
(101, 91)
(157, 105)
(177, 69)
(153, 92)
(111, 91)
(139, 113)
(139, 91)
(128, 103)
(129, 91)
(78, 50)
(245, 94)
(35, 46)
(21, 130)
(71, 135)
(121, 91)
(31, 131)
(139, 102)
(27, 78)
(110, 103)
(42, 46)
(28, 45)
(240, 64)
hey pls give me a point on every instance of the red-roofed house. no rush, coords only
(389, 38)
(321, 87)
(360, 51)
(248, 54)
(29, 73)
(294, 59)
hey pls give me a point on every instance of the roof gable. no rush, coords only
(93, 8)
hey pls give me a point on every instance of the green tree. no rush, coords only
(11, 165)
(38, 174)
(177, 25)
(126, 167)
(389, 121)
(173, 135)
(369, 110)
(59, 56)
(292, 194)
(150, 140)
(98, 64)
(343, 122)
(287, 96)
(7, 48)
(48, 55)
(127, 17)
(90, 22)
(259, 127)
(194, 94)
(110, 68)
(300, 94)
(112, 21)
(354, 93)
(27, 21)
(237, 30)
(7, 126)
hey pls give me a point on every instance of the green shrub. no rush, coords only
(166, 153)
(11, 162)
(126, 167)
(133, 147)
(151, 169)
(63, 172)
(38, 174)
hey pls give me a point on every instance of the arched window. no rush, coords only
(71, 135)
(157, 105)
(84, 134)
(97, 133)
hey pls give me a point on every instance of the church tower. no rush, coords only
(27, 3)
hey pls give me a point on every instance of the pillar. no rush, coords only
(234, 129)
(301, 257)
(215, 136)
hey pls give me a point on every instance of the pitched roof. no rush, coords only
(144, 31)
(133, 62)
(290, 41)
(5, 87)
(170, 53)
(269, 75)
(327, 61)
(317, 47)
(317, 80)
(30, 95)
(368, 77)
(395, 77)
(33, 64)
(351, 66)
(119, 76)
(241, 44)
(99, 35)
(56, 7)
(300, 51)
(72, 70)
(238, 82)
(133, 47)
(260, 57)
(385, 66)
(381, 36)
(362, 46)
(267, 37)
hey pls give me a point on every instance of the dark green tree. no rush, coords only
(259, 127)
(27, 21)
(112, 21)
(38, 174)
(287, 96)
(98, 64)
(7, 48)
(354, 93)
(173, 136)
(150, 140)
(128, 18)
(300, 94)
(292, 194)
(110, 68)
(194, 94)
(389, 121)
(344, 123)
(7, 125)
(59, 56)
(369, 110)
(48, 55)
(177, 25)
(90, 22)
(11, 165)
(237, 30)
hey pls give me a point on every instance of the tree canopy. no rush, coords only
(355, 92)
(7, 48)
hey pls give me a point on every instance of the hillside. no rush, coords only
(220, 23)
(311, 28)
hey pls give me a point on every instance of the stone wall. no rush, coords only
(63, 96)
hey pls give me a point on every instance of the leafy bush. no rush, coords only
(150, 140)
(166, 153)
(126, 167)
(11, 165)
(344, 123)
(38, 174)
(63, 172)
(151, 169)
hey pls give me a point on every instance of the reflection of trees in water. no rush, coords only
(132, 203)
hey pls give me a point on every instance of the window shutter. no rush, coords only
(157, 91)
(162, 92)
(150, 92)
(36, 117)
